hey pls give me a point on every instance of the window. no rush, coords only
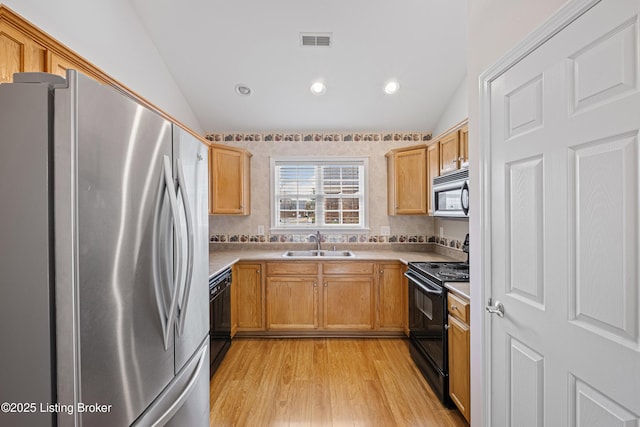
(318, 194)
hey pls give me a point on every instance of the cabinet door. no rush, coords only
(292, 303)
(59, 66)
(464, 146)
(410, 182)
(390, 297)
(459, 355)
(234, 301)
(433, 170)
(19, 53)
(405, 301)
(250, 297)
(449, 146)
(229, 172)
(349, 303)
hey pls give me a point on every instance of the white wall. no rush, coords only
(109, 35)
(495, 27)
(456, 110)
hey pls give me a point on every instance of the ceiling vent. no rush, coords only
(315, 39)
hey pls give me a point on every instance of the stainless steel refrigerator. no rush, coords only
(104, 263)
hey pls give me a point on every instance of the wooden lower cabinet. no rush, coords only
(392, 306)
(349, 303)
(330, 296)
(249, 292)
(459, 354)
(292, 303)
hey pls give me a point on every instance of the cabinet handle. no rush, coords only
(446, 327)
(315, 284)
(453, 307)
(325, 284)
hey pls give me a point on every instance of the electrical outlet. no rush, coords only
(261, 230)
(441, 231)
(385, 230)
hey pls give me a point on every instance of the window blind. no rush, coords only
(317, 194)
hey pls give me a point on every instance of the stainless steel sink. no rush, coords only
(314, 254)
(336, 254)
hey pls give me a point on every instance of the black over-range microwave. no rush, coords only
(450, 194)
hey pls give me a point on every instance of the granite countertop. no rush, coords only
(220, 260)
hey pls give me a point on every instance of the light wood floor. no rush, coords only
(324, 382)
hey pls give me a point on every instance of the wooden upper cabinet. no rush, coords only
(449, 152)
(19, 53)
(407, 181)
(464, 146)
(59, 66)
(229, 170)
(454, 148)
(26, 48)
(433, 170)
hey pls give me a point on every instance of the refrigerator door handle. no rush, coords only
(167, 319)
(190, 247)
(184, 395)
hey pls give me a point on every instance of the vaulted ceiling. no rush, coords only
(210, 46)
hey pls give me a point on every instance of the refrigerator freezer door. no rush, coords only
(116, 157)
(185, 402)
(191, 173)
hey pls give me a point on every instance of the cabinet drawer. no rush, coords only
(294, 268)
(458, 307)
(346, 267)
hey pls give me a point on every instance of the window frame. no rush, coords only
(316, 161)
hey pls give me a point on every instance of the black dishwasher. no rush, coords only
(219, 318)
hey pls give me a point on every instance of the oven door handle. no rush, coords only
(421, 284)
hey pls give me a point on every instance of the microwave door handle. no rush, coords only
(464, 198)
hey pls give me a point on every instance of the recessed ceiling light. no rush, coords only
(243, 90)
(391, 87)
(318, 88)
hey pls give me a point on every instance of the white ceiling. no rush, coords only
(212, 45)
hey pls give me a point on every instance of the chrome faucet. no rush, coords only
(318, 240)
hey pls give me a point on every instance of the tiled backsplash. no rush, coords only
(336, 238)
(320, 136)
(406, 230)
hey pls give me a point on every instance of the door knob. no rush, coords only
(498, 308)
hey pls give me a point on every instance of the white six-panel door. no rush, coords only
(564, 227)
